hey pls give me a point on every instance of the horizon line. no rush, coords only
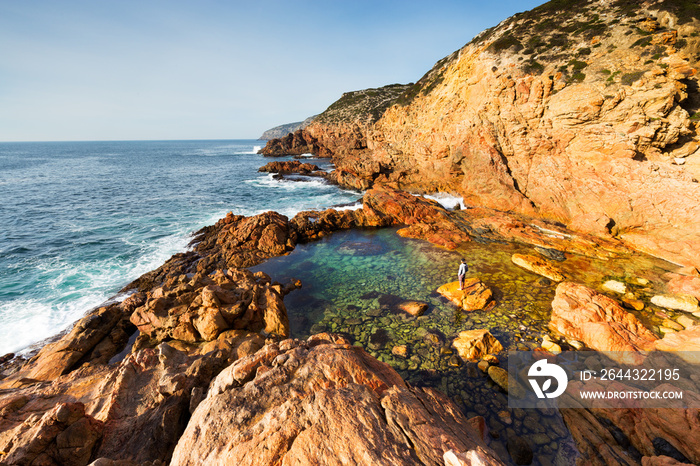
(129, 140)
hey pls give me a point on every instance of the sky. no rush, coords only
(212, 69)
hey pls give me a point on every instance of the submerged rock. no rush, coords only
(472, 345)
(538, 266)
(414, 308)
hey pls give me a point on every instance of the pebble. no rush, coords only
(615, 286)
(668, 323)
(483, 366)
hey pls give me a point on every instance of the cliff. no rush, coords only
(283, 130)
(583, 113)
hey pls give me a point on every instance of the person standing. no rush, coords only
(461, 273)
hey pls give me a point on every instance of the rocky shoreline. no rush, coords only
(202, 339)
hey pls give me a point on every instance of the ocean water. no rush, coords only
(80, 220)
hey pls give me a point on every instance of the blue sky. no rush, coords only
(122, 70)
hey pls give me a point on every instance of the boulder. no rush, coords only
(538, 265)
(677, 302)
(471, 345)
(322, 398)
(684, 285)
(414, 308)
(598, 321)
(475, 295)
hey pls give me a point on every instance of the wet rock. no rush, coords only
(538, 266)
(552, 254)
(549, 345)
(615, 286)
(289, 167)
(414, 308)
(474, 296)
(483, 366)
(500, 377)
(598, 321)
(474, 344)
(400, 351)
(670, 324)
(324, 398)
(630, 301)
(520, 450)
(677, 302)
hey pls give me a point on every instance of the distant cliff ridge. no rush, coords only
(283, 130)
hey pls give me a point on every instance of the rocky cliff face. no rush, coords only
(583, 113)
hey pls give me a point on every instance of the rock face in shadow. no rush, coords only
(289, 167)
(321, 401)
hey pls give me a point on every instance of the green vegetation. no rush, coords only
(578, 65)
(578, 77)
(628, 78)
(584, 51)
(366, 105)
(506, 42)
(681, 43)
(643, 42)
(605, 72)
(533, 67)
(695, 117)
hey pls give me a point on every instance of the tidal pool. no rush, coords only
(353, 281)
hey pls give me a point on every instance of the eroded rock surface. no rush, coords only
(598, 321)
(321, 402)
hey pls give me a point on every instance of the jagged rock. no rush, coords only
(471, 345)
(680, 303)
(662, 461)
(599, 322)
(538, 266)
(474, 296)
(202, 307)
(289, 167)
(323, 399)
(630, 301)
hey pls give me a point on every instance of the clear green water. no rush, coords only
(353, 280)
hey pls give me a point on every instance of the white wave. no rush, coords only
(448, 201)
(288, 185)
(28, 321)
(356, 206)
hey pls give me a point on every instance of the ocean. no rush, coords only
(80, 220)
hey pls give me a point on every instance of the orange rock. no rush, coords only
(474, 296)
(598, 321)
(474, 344)
(538, 265)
